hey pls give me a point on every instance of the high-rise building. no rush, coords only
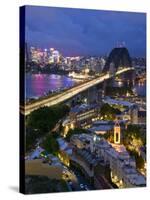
(33, 52)
(51, 51)
(45, 56)
(56, 56)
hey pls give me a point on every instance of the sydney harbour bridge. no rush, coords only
(118, 63)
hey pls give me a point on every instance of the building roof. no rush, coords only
(83, 107)
(88, 156)
(35, 154)
(118, 102)
(101, 128)
(64, 146)
(101, 122)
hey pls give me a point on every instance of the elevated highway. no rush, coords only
(63, 96)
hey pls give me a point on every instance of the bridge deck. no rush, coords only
(58, 98)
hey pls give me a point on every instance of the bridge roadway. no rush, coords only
(58, 98)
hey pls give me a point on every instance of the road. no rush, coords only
(58, 98)
(77, 180)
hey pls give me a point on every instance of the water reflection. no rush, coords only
(39, 84)
(138, 87)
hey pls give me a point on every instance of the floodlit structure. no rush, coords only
(117, 133)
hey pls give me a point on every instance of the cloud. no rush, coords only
(83, 31)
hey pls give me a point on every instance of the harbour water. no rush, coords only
(39, 84)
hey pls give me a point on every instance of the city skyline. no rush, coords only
(83, 101)
(85, 32)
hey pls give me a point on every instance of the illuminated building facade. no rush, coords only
(84, 114)
(65, 151)
(67, 125)
(44, 55)
(123, 168)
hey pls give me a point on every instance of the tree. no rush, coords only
(42, 121)
(133, 138)
(30, 139)
(45, 118)
(139, 162)
(108, 112)
(50, 144)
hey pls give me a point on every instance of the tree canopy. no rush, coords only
(42, 121)
(133, 137)
(50, 144)
(133, 140)
(45, 118)
(108, 112)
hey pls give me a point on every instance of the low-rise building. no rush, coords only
(122, 166)
(101, 127)
(81, 141)
(118, 159)
(65, 151)
(84, 114)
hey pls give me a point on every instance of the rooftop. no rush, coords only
(101, 128)
(35, 154)
(83, 107)
(64, 146)
(118, 102)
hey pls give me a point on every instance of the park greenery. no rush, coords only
(109, 112)
(134, 140)
(50, 144)
(44, 119)
(41, 122)
(31, 138)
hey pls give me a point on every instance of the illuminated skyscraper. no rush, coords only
(33, 52)
(56, 56)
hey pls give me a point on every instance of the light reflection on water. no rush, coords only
(39, 84)
(138, 87)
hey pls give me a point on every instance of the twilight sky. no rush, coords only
(85, 32)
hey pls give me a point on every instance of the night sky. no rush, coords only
(85, 32)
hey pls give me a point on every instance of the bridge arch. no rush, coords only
(119, 57)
